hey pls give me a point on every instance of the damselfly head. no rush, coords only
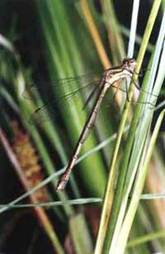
(129, 64)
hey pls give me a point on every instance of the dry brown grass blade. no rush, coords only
(98, 42)
(95, 34)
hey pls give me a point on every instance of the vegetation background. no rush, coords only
(42, 43)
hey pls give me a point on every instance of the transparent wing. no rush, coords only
(62, 87)
(50, 107)
(61, 92)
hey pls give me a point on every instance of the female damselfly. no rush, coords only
(110, 76)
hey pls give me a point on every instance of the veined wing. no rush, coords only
(63, 91)
(58, 94)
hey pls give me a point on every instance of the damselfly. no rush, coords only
(111, 76)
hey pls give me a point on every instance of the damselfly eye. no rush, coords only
(128, 61)
(129, 64)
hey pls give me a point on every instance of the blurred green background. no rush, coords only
(43, 42)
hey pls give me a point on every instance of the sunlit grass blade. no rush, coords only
(104, 228)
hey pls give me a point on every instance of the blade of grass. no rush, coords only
(131, 45)
(109, 190)
(79, 201)
(114, 36)
(82, 243)
(135, 154)
(95, 34)
(138, 188)
(146, 238)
